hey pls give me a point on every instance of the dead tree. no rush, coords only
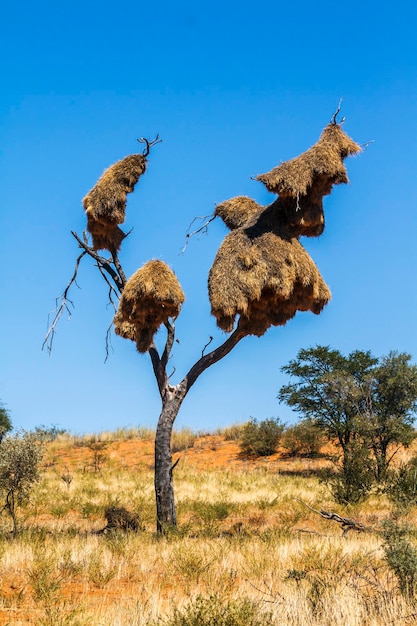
(261, 275)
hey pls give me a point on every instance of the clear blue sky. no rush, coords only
(233, 88)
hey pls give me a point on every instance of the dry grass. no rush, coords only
(243, 534)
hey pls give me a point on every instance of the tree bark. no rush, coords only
(164, 484)
(172, 398)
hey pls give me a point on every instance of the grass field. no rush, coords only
(247, 550)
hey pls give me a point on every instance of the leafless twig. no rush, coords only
(207, 345)
(108, 341)
(366, 144)
(202, 230)
(334, 116)
(64, 306)
(149, 144)
(111, 287)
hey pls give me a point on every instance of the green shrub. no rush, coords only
(303, 439)
(261, 439)
(401, 485)
(401, 557)
(213, 611)
(355, 476)
(20, 457)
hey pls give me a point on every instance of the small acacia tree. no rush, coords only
(261, 275)
(20, 456)
(366, 404)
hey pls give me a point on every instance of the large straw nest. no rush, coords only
(150, 297)
(237, 211)
(105, 203)
(262, 273)
(315, 171)
(105, 235)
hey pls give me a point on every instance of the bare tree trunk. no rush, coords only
(164, 484)
(172, 398)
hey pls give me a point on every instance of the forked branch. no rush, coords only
(202, 230)
(119, 279)
(60, 308)
(149, 144)
(212, 357)
(334, 116)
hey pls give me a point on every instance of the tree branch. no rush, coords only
(149, 144)
(212, 357)
(203, 230)
(105, 263)
(169, 343)
(111, 287)
(346, 523)
(336, 113)
(159, 370)
(49, 337)
(119, 268)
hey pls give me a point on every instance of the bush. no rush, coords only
(401, 485)
(303, 439)
(261, 439)
(401, 557)
(356, 475)
(20, 456)
(48, 433)
(213, 611)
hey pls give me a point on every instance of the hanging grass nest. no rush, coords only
(150, 297)
(301, 183)
(237, 211)
(322, 166)
(261, 271)
(105, 204)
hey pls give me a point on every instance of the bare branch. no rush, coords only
(64, 306)
(207, 344)
(149, 144)
(366, 144)
(174, 369)
(119, 267)
(202, 230)
(334, 116)
(169, 343)
(346, 523)
(212, 357)
(174, 465)
(108, 341)
(111, 287)
(104, 263)
(158, 369)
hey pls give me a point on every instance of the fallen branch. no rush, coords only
(346, 523)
